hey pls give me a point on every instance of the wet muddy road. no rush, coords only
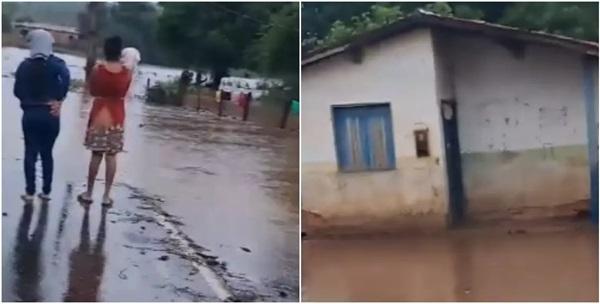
(205, 208)
(553, 266)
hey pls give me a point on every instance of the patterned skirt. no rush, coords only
(105, 140)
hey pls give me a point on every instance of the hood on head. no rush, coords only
(40, 43)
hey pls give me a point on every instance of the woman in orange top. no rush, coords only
(109, 82)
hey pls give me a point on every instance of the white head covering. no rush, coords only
(40, 43)
(130, 57)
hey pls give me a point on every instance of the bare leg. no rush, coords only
(111, 169)
(93, 171)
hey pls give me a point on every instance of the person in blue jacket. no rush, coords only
(41, 84)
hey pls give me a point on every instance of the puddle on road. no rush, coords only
(97, 254)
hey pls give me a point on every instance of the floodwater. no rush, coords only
(205, 208)
(461, 266)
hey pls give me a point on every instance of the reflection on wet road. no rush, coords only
(561, 266)
(27, 252)
(86, 262)
(205, 208)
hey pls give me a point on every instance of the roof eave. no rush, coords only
(431, 20)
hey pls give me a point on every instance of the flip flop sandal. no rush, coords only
(28, 199)
(84, 198)
(44, 197)
(107, 202)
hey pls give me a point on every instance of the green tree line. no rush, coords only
(219, 36)
(331, 23)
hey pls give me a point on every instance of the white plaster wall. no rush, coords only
(541, 95)
(521, 121)
(399, 71)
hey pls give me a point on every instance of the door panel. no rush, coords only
(453, 161)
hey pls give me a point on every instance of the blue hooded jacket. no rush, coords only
(39, 80)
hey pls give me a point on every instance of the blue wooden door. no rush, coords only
(453, 161)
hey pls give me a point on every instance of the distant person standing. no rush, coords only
(130, 58)
(41, 84)
(109, 82)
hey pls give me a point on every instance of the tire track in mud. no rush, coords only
(227, 286)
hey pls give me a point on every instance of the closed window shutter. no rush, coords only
(363, 137)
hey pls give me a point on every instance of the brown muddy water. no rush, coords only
(461, 266)
(206, 208)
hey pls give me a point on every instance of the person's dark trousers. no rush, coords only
(40, 129)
